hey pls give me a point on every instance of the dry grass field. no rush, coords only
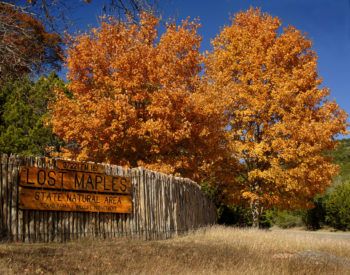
(216, 250)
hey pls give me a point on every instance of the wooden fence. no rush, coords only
(163, 206)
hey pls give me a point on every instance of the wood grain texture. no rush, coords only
(163, 206)
(80, 166)
(73, 201)
(73, 180)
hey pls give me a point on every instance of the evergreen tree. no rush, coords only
(23, 116)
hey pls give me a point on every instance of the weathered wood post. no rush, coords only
(43, 200)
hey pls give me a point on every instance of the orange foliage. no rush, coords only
(25, 45)
(279, 122)
(257, 119)
(134, 100)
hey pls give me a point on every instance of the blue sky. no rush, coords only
(326, 23)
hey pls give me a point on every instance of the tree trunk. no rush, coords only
(256, 210)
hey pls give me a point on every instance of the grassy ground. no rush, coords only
(216, 250)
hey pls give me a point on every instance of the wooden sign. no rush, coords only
(73, 201)
(80, 166)
(74, 187)
(73, 180)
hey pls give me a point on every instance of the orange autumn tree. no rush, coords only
(25, 44)
(279, 121)
(131, 99)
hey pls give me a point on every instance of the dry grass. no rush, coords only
(216, 250)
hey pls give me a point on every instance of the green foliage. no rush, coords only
(314, 218)
(212, 191)
(239, 215)
(332, 208)
(285, 219)
(23, 105)
(234, 215)
(228, 214)
(337, 206)
(341, 156)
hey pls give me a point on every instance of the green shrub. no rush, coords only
(285, 219)
(227, 214)
(337, 207)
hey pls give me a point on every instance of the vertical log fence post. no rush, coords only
(163, 206)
